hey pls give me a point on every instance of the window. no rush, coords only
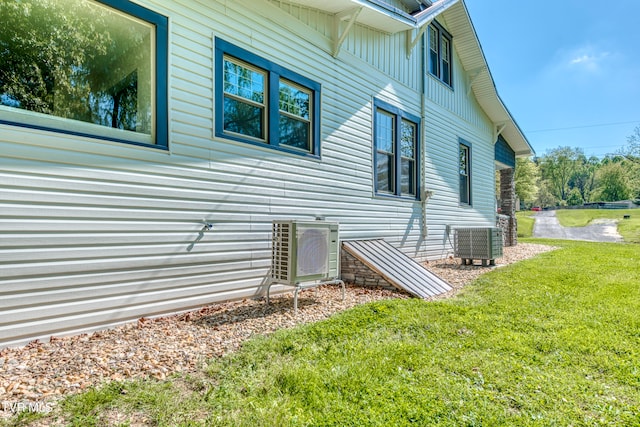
(245, 92)
(440, 53)
(465, 172)
(83, 67)
(262, 103)
(396, 151)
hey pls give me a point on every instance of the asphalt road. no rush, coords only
(602, 230)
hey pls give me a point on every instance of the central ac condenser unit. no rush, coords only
(304, 251)
(483, 243)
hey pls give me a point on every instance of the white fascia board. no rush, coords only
(388, 10)
(429, 14)
(384, 17)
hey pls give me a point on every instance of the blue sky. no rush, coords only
(567, 70)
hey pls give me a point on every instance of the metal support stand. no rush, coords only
(485, 262)
(299, 287)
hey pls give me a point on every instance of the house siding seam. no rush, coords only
(96, 233)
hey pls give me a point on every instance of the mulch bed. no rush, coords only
(158, 347)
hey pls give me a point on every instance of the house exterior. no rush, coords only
(169, 115)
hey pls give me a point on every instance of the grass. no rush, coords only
(552, 341)
(628, 228)
(525, 223)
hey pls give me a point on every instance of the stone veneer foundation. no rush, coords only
(352, 270)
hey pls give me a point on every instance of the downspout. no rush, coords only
(423, 147)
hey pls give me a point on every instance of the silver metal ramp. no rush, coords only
(397, 268)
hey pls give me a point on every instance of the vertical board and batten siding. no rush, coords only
(96, 233)
(385, 52)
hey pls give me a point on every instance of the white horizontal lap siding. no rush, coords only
(348, 88)
(94, 233)
(444, 129)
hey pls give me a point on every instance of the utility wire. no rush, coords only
(584, 126)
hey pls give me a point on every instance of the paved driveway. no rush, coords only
(602, 230)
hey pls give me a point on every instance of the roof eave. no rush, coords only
(483, 86)
(384, 17)
(429, 14)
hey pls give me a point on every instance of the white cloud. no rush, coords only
(583, 59)
(588, 58)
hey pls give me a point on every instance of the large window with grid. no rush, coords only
(440, 53)
(87, 68)
(396, 151)
(262, 103)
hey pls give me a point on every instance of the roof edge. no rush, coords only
(426, 16)
(501, 103)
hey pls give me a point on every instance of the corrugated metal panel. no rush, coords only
(397, 268)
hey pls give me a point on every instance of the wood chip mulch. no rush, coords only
(158, 347)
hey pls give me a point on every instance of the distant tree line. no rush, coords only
(565, 176)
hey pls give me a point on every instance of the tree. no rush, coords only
(633, 141)
(526, 178)
(557, 167)
(613, 182)
(575, 198)
(584, 177)
(632, 154)
(545, 196)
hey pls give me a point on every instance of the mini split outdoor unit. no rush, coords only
(304, 251)
(305, 254)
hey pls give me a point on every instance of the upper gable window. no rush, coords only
(440, 53)
(82, 67)
(262, 103)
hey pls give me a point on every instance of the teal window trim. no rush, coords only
(274, 74)
(465, 172)
(395, 153)
(440, 53)
(161, 114)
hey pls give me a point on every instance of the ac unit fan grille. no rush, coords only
(313, 251)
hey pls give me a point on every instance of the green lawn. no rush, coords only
(551, 341)
(628, 228)
(525, 223)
